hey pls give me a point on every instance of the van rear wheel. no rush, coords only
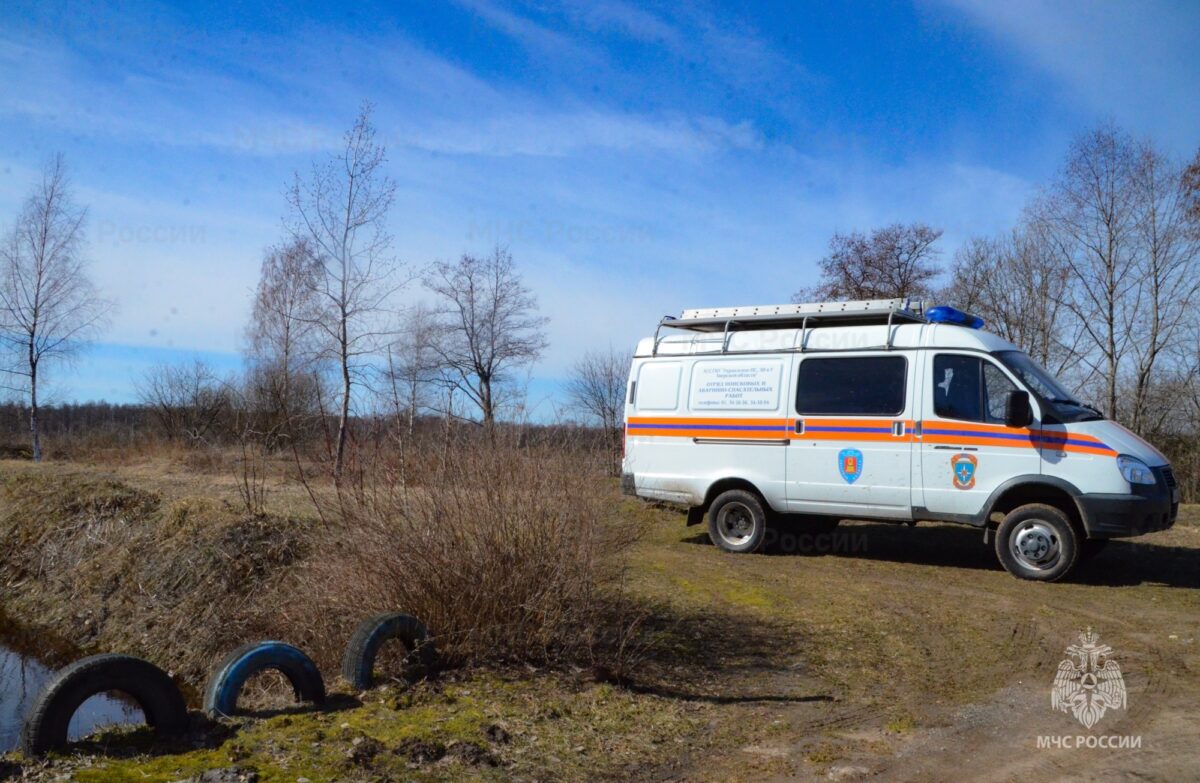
(1037, 542)
(737, 521)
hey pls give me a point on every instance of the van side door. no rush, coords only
(851, 446)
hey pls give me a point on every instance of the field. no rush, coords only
(887, 652)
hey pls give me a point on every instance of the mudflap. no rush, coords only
(695, 515)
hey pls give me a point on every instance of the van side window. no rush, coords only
(969, 388)
(658, 386)
(852, 385)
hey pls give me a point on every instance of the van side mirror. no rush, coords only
(1017, 411)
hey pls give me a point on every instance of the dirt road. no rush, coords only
(908, 654)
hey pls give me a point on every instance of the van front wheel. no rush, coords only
(1037, 542)
(737, 521)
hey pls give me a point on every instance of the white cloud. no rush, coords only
(536, 37)
(1134, 62)
(47, 82)
(565, 132)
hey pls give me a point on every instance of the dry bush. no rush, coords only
(510, 551)
(507, 552)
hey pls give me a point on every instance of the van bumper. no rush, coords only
(1117, 516)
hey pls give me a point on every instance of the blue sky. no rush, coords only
(637, 159)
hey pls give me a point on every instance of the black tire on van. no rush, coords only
(1037, 542)
(158, 697)
(358, 664)
(737, 521)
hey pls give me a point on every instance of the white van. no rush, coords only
(880, 410)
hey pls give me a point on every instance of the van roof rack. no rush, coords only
(865, 312)
(860, 313)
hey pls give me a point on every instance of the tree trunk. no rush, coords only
(412, 405)
(344, 417)
(487, 406)
(34, 429)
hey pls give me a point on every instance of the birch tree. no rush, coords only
(49, 307)
(280, 336)
(413, 365)
(341, 210)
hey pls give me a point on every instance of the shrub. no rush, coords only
(507, 552)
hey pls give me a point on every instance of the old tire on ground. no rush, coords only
(158, 697)
(358, 663)
(225, 685)
(1037, 542)
(737, 521)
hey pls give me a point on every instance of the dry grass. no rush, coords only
(507, 552)
(105, 564)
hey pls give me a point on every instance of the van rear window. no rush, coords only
(852, 385)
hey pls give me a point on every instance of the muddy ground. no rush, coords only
(883, 652)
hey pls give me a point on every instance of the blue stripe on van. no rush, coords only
(1054, 439)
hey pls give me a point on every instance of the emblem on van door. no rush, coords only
(963, 467)
(850, 464)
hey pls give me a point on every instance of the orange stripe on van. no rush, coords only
(708, 427)
(866, 430)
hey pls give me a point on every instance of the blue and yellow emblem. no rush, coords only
(962, 467)
(850, 464)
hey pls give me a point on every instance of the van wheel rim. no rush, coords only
(735, 523)
(1035, 545)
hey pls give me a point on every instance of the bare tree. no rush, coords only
(341, 209)
(189, 401)
(49, 307)
(896, 261)
(1089, 215)
(413, 365)
(597, 385)
(1017, 286)
(489, 325)
(1167, 272)
(1190, 185)
(281, 343)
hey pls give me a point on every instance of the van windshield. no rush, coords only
(1048, 390)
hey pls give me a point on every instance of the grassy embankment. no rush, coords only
(749, 667)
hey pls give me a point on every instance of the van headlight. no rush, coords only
(1134, 470)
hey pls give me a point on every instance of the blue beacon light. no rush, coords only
(944, 314)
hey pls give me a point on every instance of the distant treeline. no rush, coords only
(74, 419)
(74, 430)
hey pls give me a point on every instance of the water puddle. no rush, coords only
(22, 677)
